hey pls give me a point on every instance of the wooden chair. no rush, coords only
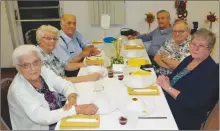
(5, 117)
(30, 37)
(212, 122)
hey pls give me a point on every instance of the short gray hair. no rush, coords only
(181, 21)
(24, 50)
(206, 35)
(41, 29)
(163, 11)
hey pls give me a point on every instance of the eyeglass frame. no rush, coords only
(178, 31)
(29, 65)
(49, 38)
(199, 46)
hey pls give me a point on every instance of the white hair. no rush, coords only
(41, 29)
(24, 50)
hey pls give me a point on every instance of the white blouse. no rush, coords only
(29, 110)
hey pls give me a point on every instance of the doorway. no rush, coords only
(27, 16)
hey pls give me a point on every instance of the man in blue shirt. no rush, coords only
(71, 46)
(159, 35)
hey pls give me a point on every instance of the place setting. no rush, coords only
(133, 109)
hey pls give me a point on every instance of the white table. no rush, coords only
(116, 90)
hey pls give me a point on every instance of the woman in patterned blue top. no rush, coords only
(192, 87)
(47, 37)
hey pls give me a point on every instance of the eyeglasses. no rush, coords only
(200, 47)
(49, 38)
(179, 31)
(27, 66)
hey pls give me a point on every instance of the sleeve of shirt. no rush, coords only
(61, 85)
(60, 52)
(146, 37)
(84, 43)
(37, 113)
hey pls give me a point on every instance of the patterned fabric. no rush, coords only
(174, 52)
(52, 98)
(52, 62)
(179, 75)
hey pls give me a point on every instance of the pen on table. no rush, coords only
(152, 117)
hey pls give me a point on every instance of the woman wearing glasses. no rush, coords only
(33, 96)
(47, 36)
(192, 87)
(174, 50)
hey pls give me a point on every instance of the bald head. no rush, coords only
(68, 24)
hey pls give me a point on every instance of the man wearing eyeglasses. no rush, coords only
(71, 46)
(174, 50)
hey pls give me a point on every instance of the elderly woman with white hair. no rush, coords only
(34, 103)
(47, 37)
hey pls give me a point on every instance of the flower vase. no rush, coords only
(149, 28)
(210, 26)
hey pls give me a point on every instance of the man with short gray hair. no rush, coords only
(159, 35)
(71, 46)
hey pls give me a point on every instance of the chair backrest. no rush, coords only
(5, 117)
(30, 37)
(212, 122)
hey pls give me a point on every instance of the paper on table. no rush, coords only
(141, 73)
(81, 120)
(151, 90)
(137, 62)
(144, 90)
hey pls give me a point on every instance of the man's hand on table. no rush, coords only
(85, 53)
(95, 51)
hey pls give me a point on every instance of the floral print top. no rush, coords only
(174, 52)
(52, 62)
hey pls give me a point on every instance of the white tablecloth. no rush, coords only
(116, 90)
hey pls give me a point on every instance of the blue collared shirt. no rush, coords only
(157, 38)
(67, 47)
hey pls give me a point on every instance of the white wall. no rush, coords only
(6, 42)
(135, 14)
